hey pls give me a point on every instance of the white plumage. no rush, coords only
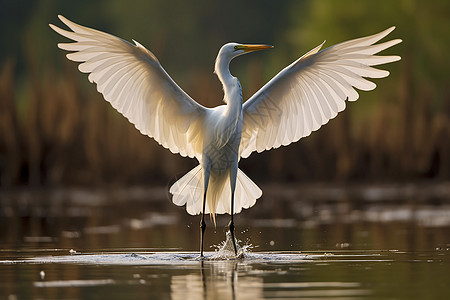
(311, 91)
(298, 100)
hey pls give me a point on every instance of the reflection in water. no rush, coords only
(217, 280)
(258, 275)
(72, 283)
(230, 280)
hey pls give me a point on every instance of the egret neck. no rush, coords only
(232, 97)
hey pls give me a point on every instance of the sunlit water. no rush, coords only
(308, 244)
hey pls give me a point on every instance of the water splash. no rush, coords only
(225, 250)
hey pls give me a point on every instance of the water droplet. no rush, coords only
(225, 250)
(42, 274)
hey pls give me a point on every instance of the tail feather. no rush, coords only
(188, 191)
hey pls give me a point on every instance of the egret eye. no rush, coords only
(235, 47)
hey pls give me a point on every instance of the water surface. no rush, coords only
(316, 242)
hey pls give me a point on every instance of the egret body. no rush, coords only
(298, 100)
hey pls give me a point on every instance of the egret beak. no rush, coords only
(251, 48)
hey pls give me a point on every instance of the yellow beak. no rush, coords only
(250, 48)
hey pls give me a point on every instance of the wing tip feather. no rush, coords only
(390, 29)
(65, 20)
(57, 29)
(385, 32)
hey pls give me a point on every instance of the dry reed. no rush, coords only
(63, 133)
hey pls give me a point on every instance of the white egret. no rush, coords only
(298, 100)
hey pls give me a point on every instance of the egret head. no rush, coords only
(232, 50)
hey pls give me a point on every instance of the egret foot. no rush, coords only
(232, 237)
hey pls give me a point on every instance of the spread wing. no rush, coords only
(311, 91)
(131, 78)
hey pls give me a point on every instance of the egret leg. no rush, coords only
(232, 224)
(203, 226)
(233, 174)
(206, 173)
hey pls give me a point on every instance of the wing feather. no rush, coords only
(312, 90)
(131, 78)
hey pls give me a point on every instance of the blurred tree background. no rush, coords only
(55, 129)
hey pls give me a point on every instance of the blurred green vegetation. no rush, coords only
(55, 129)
